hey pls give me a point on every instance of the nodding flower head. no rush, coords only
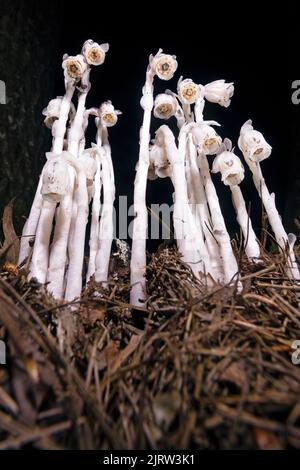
(88, 163)
(219, 92)
(188, 91)
(159, 164)
(164, 65)
(206, 138)
(165, 106)
(74, 66)
(108, 114)
(253, 144)
(230, 167)
(53, 109)
(55, 178)
(93, 52)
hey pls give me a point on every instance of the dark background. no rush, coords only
(256, 51)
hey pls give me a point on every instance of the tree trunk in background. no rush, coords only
(29, 37)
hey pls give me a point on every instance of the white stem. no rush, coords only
(76, 133)
(106, 229)
(58, 252)
(189, 240)
(68, 207)
(268, 201)
(31, 223)
(61, 124)
(40, 255)
(230, 266)
(76, 253)
(203, 218)
(250, 242)
(138, 251)
(96, 206)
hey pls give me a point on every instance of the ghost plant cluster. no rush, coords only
(73, 179)
(188, 160)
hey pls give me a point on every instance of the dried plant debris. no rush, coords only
(195, 368)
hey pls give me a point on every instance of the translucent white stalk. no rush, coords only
(68, 207)
(202, 215)
(58, 131)
(189, 240)
(230, 266)
(138, 251)
(268, 201)
(76, 253)
(40, 255)
(31, 223)
(250, 242)
(96, 206)
(106, 228)
(58, 253)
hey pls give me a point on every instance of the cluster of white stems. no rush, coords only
(77, 182)
(74, 181)
(200, 230)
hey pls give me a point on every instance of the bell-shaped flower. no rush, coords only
(93, 52)
(159, 164)
(74, 66)
(108, 114)
(219, 92)
(188, 91)
(55, 178)
(253, 144)
(53, 109)
(165, 106)
(205, 136)
(164, 65)
(88, 163)
(230, 167)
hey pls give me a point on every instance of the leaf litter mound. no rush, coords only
(198, 368)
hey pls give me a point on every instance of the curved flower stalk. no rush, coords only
(96, 207)
(164, 66)
(76, 251)
(57, 115)
(232, 173)
(190, 242)
(208, 143)
(256, 149)
(202, 215)
(68, 208)
(106, 227)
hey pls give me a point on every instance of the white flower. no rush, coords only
(159, 163)
(108, 114)
(74, 66)
(164, 65)
(88, 163)
(205, 137)
(230, 167)
(188, 91)
(55, 178)
(253, 144)
(219, 92)
(164, 106)
(53, 109)
(93, 52)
